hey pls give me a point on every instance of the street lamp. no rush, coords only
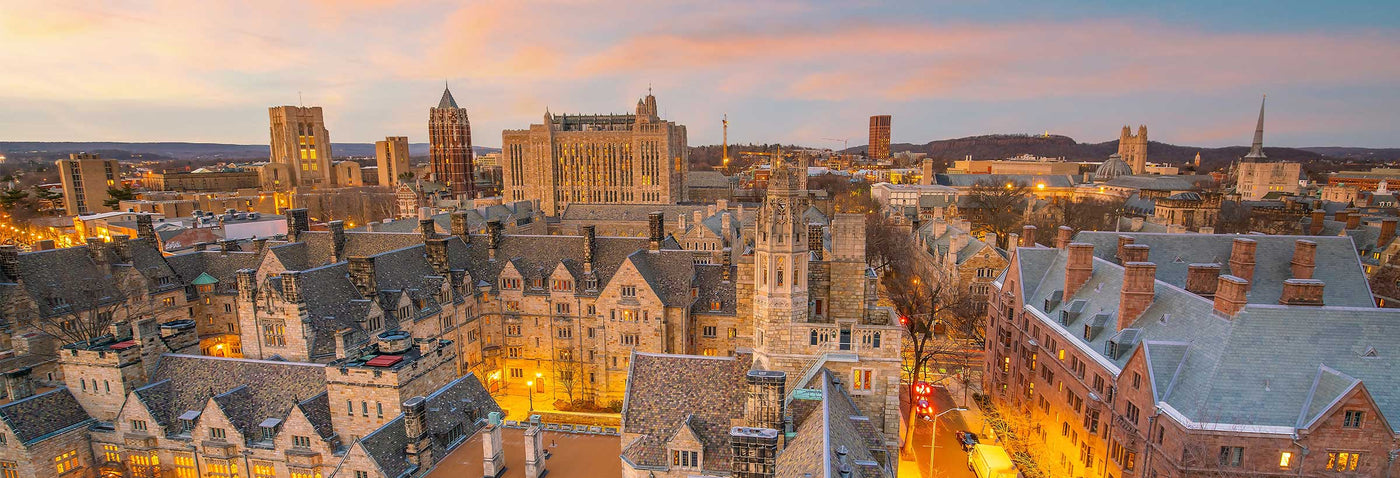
(933, 445)
(530, 387)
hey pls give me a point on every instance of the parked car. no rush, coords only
(989, 461)
(967, 439)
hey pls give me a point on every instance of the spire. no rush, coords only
(446, 101)
(1256, 151)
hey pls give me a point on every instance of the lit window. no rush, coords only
(861, 379)
(1285, 459)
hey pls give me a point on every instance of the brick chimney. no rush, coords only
(259, 244)
(1301, 292)
(493, 236)
(247, 283)
(362, 275)
(1122, 241)
(1304, 259)
(9, 262)
(940, 227)
(1135, 253)
(656, 224)
(1315, 226)
(1139, 286)
(1342, 216)
(1078, 268)
(291, 286)
(337, 239)
(227, 245)
(590, 245)
(814, 241)
(726, 225)
(1387, 232)
(1063, 237)
(763, 406)
(1013, 240)
(1027, 236)
(460, 227)
(19, 384)
(97, 250)
(1242, 258)
(680, 222)
(1353, 219)
(1202, 279)
(1230, 294)
(727, 262)
(535, 466)
(297, 223)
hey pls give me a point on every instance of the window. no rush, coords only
(111, 453)
(1137, 380)
(364, 408)
(685, 458)
(184, 467)
(566, 355)
(628, 291)
(562, 308)
(262, 469)
(274, 334)
(513, 352)
(517, 373)
(145, 466)
(513, 330)
(861, 379)
(560, 285)
(564, 332)
(1342, 461)
(138, 425)
(1352, 418)
(1231, 455)
(510, 284)
(379, 409)
(216, 433)
(301, 441)
(512, 306)
(221, 467)
(733, 332)
(66, 461)
(168, 301)
(361, 474)
(303, 474)
(708, 331)
(1133, 413)
(715, 305)
(9, 469)
(629, 340)
(1285, 459)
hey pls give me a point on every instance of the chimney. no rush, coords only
(534, 451)
(590, 244)
(247, 283)
(728, 263)
(435, 250)
(44, 245)
(1230, 294)
(754, 452)
(814, 241)
(18, 384)
(227, 245)
(121, 247)
(1387, 232)
(1122, 241)
(1063, 237)
(726, 225)
(1013, 240)
(1027, 236)
(1135, 253)
(427, 228)
(1139, 285)
(1315, 225)
(1202, 279)
(291, 286)
(1342, 216)
(1304, 259)
(9, 262)
(297, 223)
(362, 274)
(940, 227)
(493, 455)
(1353, 219)
(425, 212)
(680, 222)
(493, 236)
(763, 405)
(1242, 259)
(419, 450)
(337, 239)
(97, 250)
(699, 216)
(146, 232)
(655, 223)
(460, 227)
(990, 238)
(259, 244)
(1301, 292)
(1078, 268)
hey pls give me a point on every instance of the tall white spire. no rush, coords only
(1256, 151)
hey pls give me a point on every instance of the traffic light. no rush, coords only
(904, 320)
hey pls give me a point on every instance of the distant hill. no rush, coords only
(177, 150)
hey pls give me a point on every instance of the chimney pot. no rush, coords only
(1123, 241)
(1242, 258)
(1230, 294)
(1304, 259)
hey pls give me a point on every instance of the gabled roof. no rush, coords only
(835, 427)
(42, 416)
(248, 391)
(653, 408)
(464, 402)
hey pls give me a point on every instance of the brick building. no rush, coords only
(1190, 355)
(450, 146)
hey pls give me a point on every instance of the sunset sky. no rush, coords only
(795, 72)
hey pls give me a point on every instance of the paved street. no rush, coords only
(938, 444)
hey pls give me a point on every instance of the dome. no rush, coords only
(1114, 167)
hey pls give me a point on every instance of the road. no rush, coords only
(938, 443)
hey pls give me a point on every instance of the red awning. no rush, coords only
(123, 345)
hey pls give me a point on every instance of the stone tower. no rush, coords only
(1133, 148)
(780, 262)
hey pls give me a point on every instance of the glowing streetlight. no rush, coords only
(530, 387)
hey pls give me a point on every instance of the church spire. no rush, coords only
(447, 101)
(1256, 151)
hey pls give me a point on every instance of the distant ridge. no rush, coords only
(184, 150)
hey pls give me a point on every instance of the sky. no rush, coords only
(809, 73)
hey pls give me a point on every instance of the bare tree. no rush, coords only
(997, 207)
(886, 242)
(84, 311)
(1088, 214)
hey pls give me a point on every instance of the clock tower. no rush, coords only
(780, 262)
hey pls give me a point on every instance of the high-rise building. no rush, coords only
(86, 177)
(609, 159)
(450, 145)
(302, 144)
(879, 137)
(391, 155)
(1133, 148)
(1258, 176)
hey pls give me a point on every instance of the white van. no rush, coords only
(991, 461)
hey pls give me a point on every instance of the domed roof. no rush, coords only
(1114, 167)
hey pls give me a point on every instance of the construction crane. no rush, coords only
(845, 143)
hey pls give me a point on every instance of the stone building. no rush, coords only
(961, 258)
(391, 158)
(85, 179)
(1192, 355)
(608, 159)
(1258, 175)
(879, 137)
(450, 146)
(202, 180)
(302, 145)
(1132, 148)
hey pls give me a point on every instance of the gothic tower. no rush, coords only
(780, 262)
(450, 145)
(1133, 148)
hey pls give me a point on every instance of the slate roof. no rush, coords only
(653, 408)
(1265, 369)
(836, 425)
(1161, 182)
(42, 416)
(939, 246)
(463, 402)
(71, 274)
(518, 212)
(221, 267)
(707, 179)
(248, 391)
(969, 180)
(626, 212)
(709, 278)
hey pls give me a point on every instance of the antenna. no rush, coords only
(299, 100)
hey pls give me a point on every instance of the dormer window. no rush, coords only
(269, 428)
(187, 420)
(685, 459)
